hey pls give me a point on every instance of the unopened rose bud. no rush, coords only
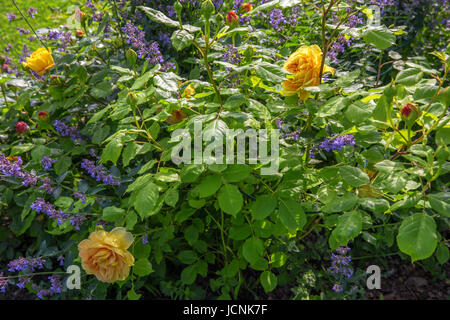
(178, 7)
(21, 127)
(208, 9)
(131, 56)
(43, 115)
(80, 33)
(131, 98)
(232, 18)
(409, 113)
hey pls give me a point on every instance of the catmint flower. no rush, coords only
(46, 185)
(277, 20)
(98, 173)
(32, 12)
(22, 263)
(80, 196)
(145, 238)
(3, 283)
(47, 162)
(67, 131)
(336, 144)
(55, 283)
(22, 31)
(22, 282)
(60, 259)
(11, 16)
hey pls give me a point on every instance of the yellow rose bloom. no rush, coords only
(40, 61)
(188, 92)
(105, 254)
(304, 65)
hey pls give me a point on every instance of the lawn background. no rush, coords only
(50, 14)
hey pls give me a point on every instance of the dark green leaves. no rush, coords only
(417, 236)
(409, 77)
(146, 200)
(230, 199)
(354, 176)
(263, 206)
(348, 227)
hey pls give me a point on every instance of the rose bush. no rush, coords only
(88, 129)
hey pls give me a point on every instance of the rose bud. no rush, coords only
(409, 112)
(232, 18)
(247, 7)
(21, 127)
(80, 33)
(43, 115)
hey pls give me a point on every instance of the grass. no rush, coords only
(51, 13)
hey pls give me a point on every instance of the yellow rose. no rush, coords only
(105, 254)
(188, 92)
(40, 61)
(304, 65)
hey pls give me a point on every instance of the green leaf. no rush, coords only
(442, 253)
(263, 206)
(146, 200)
(16, 150)
(230, 199)
(191, 172)
(417, 236)
(141, 251)
(292, 214)
(209, 185)
(374, 205)
(191, 234)
(187, 256)
(130, 151)
(440, 202)
(379, 38)
(181, 39)
(236, 172)
(62, 164)
(348, 227)
(113, 149)
(253, 249)
(388, 166)
(409, 77)
(278, 259)
(354, 176)
(340, 204)
(270, 72)
(160, 17)
(240, 232)
(132, 295)
(269, 281)
(189, 274)
(112, 214)
(332, 106)
(131, 220)
(142, 267)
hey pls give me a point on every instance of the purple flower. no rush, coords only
(55, 283)
(23, 31)
(77, 221)
(60, 259)
(3, 283)
(80, 196)
(43, 293)
(22, 282)
(277, 20)
(98, 173)
(40, 205)
(22, 263)
(337, 288)
(67, 131)
(145, 238)
(337, 143)
(32, 12)
(47, 162)
(11, 16)
(46, 185)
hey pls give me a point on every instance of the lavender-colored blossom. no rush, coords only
(23, 31)
(46, 185)
(77, 221)
(3, 283)
(47, 162)
(336, 144)
(145, 238)
(67, 131)
(277, 20)
(32, 12)
(22, 282)
(55, 283)
(81, 196)
(60, 259)
(98, 173)
(11, 16)
(40, 205)
(44, 293)
(22, 263)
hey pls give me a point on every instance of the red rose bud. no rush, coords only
(232, 18)
(409, 112)
(43, 115)
(80, 33)
(21, 127)
(247, 7)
